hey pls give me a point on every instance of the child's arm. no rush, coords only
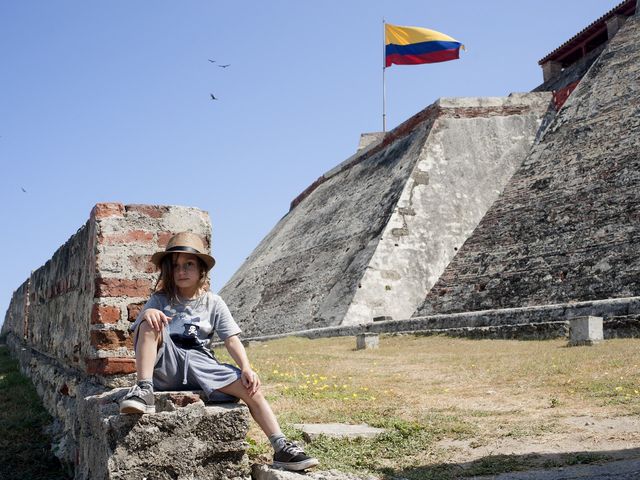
(249, 378)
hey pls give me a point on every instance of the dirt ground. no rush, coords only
(494, 403)
(609, 438)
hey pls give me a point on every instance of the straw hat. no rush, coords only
(185, 242)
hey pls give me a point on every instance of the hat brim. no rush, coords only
(209, 261)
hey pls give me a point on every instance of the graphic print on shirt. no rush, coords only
(190, 330)
(183, 323)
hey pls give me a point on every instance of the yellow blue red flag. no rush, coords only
(416, 45)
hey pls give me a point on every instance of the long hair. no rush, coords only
(167, 286)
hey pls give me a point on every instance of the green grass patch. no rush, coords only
(25, 451)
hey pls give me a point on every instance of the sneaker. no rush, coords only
(292, 457)
(138, 400)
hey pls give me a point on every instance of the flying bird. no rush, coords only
(22, 188)
(213, 96)
(225, 66)
(212, 61)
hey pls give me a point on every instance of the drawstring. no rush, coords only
(186, 367)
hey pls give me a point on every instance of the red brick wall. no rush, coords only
(77, 308)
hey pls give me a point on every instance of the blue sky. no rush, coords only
(110, 102)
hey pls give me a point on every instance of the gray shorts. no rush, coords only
(177, 368)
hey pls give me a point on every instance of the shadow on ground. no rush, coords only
(494, 465)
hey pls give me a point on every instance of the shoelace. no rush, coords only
(292, 448)
(134, 391)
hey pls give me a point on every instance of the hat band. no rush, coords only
(183, 249)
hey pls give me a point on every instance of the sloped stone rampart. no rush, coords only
(472, 150)
(68, 326)
(373, 234)
(306, 270)
(567, 227)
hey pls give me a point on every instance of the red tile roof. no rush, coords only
(627, 8)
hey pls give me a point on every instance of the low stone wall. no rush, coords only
(193, 441)
(68, 326)
(621, 319)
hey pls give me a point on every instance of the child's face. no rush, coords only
(186, 271)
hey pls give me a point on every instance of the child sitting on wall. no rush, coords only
(172, 335)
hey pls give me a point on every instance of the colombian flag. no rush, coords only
(416, 45)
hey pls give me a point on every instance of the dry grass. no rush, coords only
(446, 400)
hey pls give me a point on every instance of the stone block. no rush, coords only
(613, 25)
(367, 341)
(133, 236)
(110, 366)
(111, 339)
(104, 314)
(153, 211)
(196, 441)
(311, 431)
(133, 309)
(104, 210)
(368, 139)
(585, 331)
(122, 287)
(550, 70)
(264, 472)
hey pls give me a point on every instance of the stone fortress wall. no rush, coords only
(372, 235)
(567, 227)
(357, 246)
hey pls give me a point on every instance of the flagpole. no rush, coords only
(384, 90)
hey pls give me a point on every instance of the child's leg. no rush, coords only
(146, 341)
(258, 406)
(140, 398)
(287, 454)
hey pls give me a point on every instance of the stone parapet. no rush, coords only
(77, 307)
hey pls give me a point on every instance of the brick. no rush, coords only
(103, 210)
(110, 366)
(182, 399)
(104, 314)
(163, 238)
(111, 339)
(153, 211)
(121, 287)
(142, 263)
(133, 236)
(133, 309)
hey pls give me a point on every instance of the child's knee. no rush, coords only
(255, 399)
(146, 332)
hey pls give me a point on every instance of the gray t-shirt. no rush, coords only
(194, 320)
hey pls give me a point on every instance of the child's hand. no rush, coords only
(156, 319)
(250, 381)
